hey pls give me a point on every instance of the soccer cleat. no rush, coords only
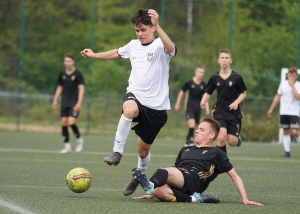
(206, 198)
(131, 187)
(286, 155)
(114, 159)
(142, 179)
(79, 146)
(240, 140)
(65, 151)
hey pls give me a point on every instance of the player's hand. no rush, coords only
(154, 17)
(252, 203)
(54, 104)
(202, 104)
(291, 82)
(269, 113)
(77, 108)
(87, 53)
(233, 106)
(144, 197)
(207, 112)
(177, 108)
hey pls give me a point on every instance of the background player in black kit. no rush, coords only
(195, 167)
(231, 91)
(195, 89)
(71, 87)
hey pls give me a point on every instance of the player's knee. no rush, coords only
(130, 112)
(143, 153)
(295, 132)
(222, 139)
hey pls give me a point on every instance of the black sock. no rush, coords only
(223, 148)
(75, 130)
(190, 136)
(65, 134)
(159, 178)
(180, 197)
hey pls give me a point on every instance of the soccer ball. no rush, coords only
(79, 180)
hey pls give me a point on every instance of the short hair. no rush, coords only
(225, 50)
(293, 71)
(200, 66)
(68, 55)
(214, 125)
(141, 17)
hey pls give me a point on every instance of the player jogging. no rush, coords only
(147, 97)
(195, 89)
(71, 87)
(195, 168)
(288, 94)
(231, 91)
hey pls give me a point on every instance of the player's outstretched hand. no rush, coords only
(252, 203)
(87, 53)
(154, 17)
(144, 197)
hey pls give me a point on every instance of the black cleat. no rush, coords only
(131, 187)
(286, 155)
(114, 159)
(142, 179)
(206, 198)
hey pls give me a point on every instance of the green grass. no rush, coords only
(33, 177)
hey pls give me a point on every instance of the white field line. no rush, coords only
(14, 207)
(279, 160)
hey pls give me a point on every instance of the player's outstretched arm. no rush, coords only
(238, 182)
(204, 100)
(179, 97)
(56, 96)
(273, 105)
(169, 47)
(112, 54)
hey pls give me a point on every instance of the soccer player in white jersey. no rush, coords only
(147, 97)
(288, 94)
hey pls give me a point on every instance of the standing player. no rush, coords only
(195, 89)
(71, 87)
(147, 97)
(289, 95)
(231, 91)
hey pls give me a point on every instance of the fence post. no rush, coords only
(298, 45)
(20, 67)
(162, 13)
(230, 25)
(90, 76)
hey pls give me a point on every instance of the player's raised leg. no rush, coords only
(130, 111)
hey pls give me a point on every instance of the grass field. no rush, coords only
(33, 176)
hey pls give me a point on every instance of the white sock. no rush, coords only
(286, 143)
(68, 145)
(144, 163)
(194, 199)
(298, 139)
(122, 133)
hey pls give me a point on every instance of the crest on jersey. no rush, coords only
(64, 77)
(204, 151)
(230, 83)
(218, 84)
(73, 77)
(150, 57)
(201, 87)
(193, 86)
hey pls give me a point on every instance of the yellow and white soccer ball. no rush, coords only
(79, 180)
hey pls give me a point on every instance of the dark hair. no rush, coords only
(141, 17)
(293, 71)
(214, 125)
(69, 56)
(225, 50)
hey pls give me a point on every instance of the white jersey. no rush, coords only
(289, 105)
(149, 76)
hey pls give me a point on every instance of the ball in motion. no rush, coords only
(79, 180)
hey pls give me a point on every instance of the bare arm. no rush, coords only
(56, 96)
(235, 104)
(238, 183)
(169, 47)
(204, 100)
(206, 108)
(179, 97)
(77, 107)
(273, 105)
(112, 54)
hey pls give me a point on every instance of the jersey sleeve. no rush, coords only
(185, 87)
(241, 85)
(211, 86)
(60, 80)
(80, 79)
(223, 164)
(124, 51)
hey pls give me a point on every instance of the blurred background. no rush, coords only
(264, 37)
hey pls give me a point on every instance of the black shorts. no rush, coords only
(150, 121)
(192, 113)
(68, 112)
(231, 122)
(191, 182)
(289, 122)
